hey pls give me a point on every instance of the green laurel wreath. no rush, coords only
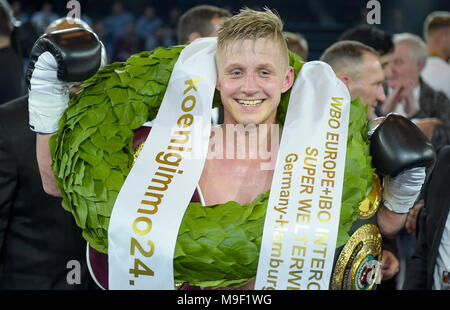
(93, 153)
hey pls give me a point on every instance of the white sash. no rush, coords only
(302, 219)
(148, 211)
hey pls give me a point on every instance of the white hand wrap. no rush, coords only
(400, 193)
(48, 96)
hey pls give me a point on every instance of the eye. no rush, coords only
(264, 72)
(378, 84)
(236, 73)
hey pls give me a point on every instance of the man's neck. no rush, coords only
(414, 80)
(5, 42)
(438, 51)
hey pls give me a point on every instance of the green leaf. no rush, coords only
(115, 180)
(93, 118)
(101, 171)
(117, 95)
(124, 113)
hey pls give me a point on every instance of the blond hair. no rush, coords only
(249, 24)
(435, 21)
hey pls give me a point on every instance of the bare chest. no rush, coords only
(233, 180)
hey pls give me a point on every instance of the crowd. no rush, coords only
(399, 73)
(122, 33)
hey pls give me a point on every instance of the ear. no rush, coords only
(347, 80)
(216, 63)
(193, 36)
(218, 84)
(420, 65)
(288, 80)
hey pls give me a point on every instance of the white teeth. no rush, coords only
(249, 102)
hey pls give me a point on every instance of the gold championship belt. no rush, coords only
(358, 264)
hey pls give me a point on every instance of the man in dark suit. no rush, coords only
(428, 268)
(40, 245)
(435, 104)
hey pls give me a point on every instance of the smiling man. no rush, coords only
(358, 66)
(252, 77)
(253, 72)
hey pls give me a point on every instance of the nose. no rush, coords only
(250, 85)
(381, 96)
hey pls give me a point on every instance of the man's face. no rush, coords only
(403, 72)
(251, 76)
(369, 85)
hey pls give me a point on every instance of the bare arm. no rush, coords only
(76, 53)
(390, 222)
(45, 165)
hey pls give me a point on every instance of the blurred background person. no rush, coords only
(117, 21)
(163, 36)
(12, 82)
(413, 98)
(41, 19)
(19, 14)
(173, 16)
(129, 43)
(297, 43)
(24, 33)
(202, 21)
(436, 32)
(148, 23)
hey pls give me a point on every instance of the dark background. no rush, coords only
(320, 21)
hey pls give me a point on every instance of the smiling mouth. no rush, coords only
(250, 102)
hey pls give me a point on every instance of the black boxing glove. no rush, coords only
(396, 144)
(57, 60)
(400, 152)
